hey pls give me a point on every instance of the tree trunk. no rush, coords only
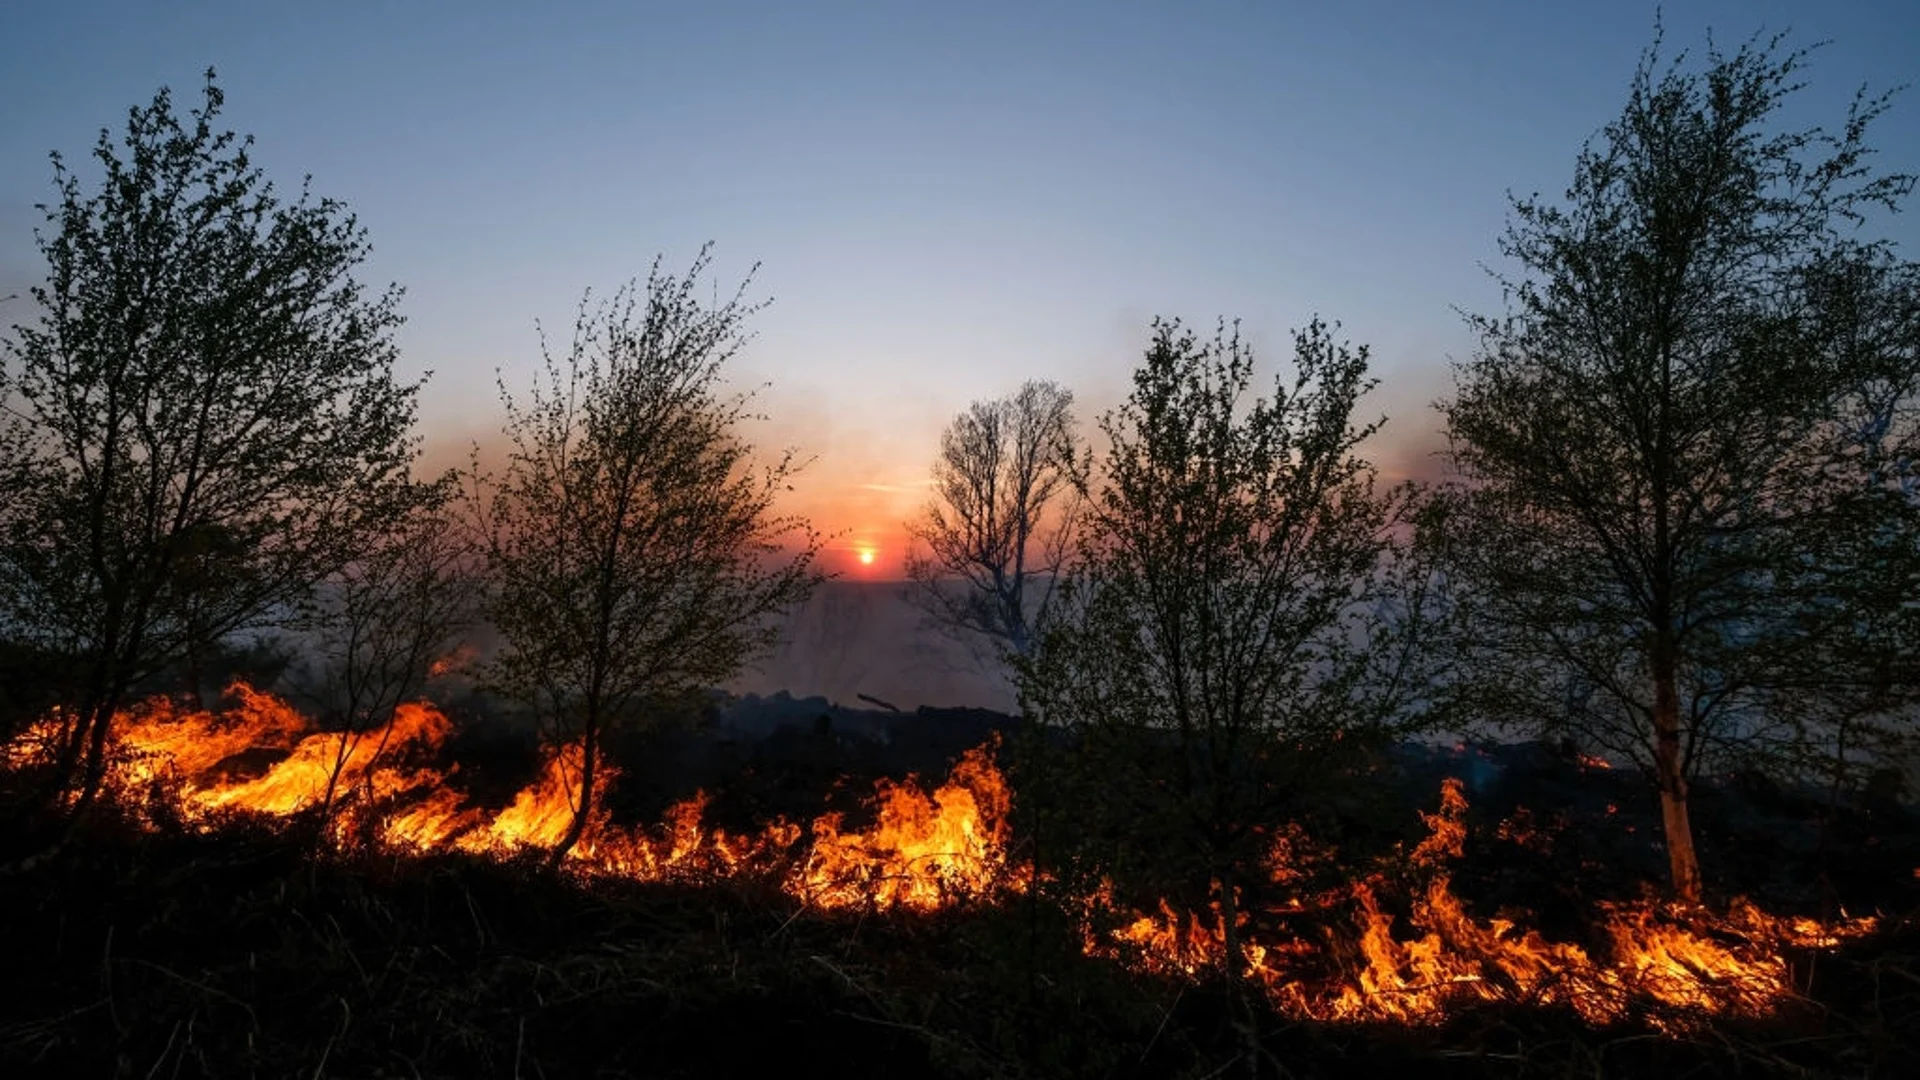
(1670, 774)
(109, 684)
(94, 769)
(1239, 987)
(81, 765)
(1038, 852)
(1233, 947)
(589, 753)
(66, 764)
(348, 738)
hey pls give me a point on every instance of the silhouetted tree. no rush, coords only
(202, 422)
(1687, 448)
(630, 545)
(997, 530)
(368, 640)
(1223, 619)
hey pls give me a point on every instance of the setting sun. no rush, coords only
(866, 556)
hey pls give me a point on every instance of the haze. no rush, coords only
(943, 200)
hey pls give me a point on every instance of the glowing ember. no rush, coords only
(453, 663)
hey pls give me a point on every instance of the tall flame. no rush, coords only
(922, 850)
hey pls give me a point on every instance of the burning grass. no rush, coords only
(1670, 966)
(421, 892)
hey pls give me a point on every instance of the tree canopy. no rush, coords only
(201, 420)
(631, 546)
(1215, 626)
(1697, 408)
(999, 526)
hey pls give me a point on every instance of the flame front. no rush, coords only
(1689, 961)
(923, 849)
(928, 847)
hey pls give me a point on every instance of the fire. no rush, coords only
(1172, 942)
(460, 659)
(1369, 956)
(1689, 961)
(301, 779)
(190, 746)
(922, 850)
(1522, 831)
(162, 739)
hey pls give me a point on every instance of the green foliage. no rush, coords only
(631, 548)
(203, 420)
(1211, 646)
(1686, 447)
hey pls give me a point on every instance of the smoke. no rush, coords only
(852, 638)
(1412, 444)
(865, 473)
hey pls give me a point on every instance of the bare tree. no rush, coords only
(369, 639)
(998, 528)
(202, 422)
(1668, 506)
(631, 548)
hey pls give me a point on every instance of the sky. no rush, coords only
(943, 200)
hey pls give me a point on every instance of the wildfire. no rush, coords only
(922, 850)
(930, 845)
(1690, 961)
(352, 763)
(164, 740)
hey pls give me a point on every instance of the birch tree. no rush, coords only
(632, 550)
(201, 420)
(1668, 443)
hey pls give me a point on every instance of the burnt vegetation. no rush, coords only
(315, 765)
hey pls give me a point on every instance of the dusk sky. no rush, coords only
(946, 199)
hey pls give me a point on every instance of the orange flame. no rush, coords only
(1689, 960)
(460, 659)
(300, 780)
(922, 850)
(928, 848)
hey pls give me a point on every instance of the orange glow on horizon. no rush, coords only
(875, 555)
(862, 557)
(861, 510)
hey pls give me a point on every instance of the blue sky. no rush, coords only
(945, 198)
